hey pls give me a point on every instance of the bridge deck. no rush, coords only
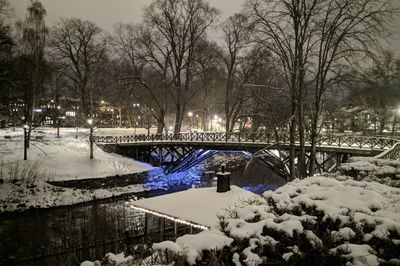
(356, 145)
(252, 146)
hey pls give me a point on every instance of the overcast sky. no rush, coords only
(108, 12)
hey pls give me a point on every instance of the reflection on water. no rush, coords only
(69, 235)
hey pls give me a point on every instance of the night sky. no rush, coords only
(108, 12)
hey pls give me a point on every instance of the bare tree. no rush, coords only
(208, 79)
(344, 31)
(181, 24)
(7, 44)
(5, 9)
(32, 34)
(283, 27)
(236, 40)
(145, 75)
(80, 45)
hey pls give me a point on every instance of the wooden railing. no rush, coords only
(345, 141)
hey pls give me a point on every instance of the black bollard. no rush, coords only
(223, 180)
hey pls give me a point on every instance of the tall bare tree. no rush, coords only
(345, 30)
(181, 24)
(146, 71)
(283, 27)
(80, 45)
(236, 40)
(32, 34)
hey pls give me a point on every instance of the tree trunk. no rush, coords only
(160, 125)
(178, 119)
(314, 135)
(292, 139)
(394, 124)
(302, 150)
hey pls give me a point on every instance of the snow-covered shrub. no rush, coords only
(371, 169)
(315, 221)
(158, 257)
(120, 167)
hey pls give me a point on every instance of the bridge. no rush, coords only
(178, 152)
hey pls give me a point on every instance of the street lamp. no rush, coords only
(190, 115)
(90, 122)
(25, 143)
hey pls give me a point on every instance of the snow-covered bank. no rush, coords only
(342, 221)
(23, 183)
(22, 195)
(345, 222)
(66, 158)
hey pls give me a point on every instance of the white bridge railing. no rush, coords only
(340, 141)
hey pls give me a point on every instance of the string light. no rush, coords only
(177, 220)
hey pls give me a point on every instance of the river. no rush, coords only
(70, 235)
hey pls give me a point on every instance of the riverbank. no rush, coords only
(26, 184)
(18, 196)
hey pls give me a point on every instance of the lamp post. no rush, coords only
(190, 115)
(90, 122)
(136, 125)
(25, 143)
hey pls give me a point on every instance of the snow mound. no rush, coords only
(372, 169)
(343, 220)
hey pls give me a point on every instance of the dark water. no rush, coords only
(69, 235)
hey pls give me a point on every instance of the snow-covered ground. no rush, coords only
(200, 206)
(339, 219)
(54, 159)
(65, 158)
(21, 195)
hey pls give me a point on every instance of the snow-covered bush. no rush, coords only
(371, 169)
(158, 257)
(315, 221)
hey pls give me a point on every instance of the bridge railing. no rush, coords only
(393, 153)
(345, 141)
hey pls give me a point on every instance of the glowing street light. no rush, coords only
(190, 114)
